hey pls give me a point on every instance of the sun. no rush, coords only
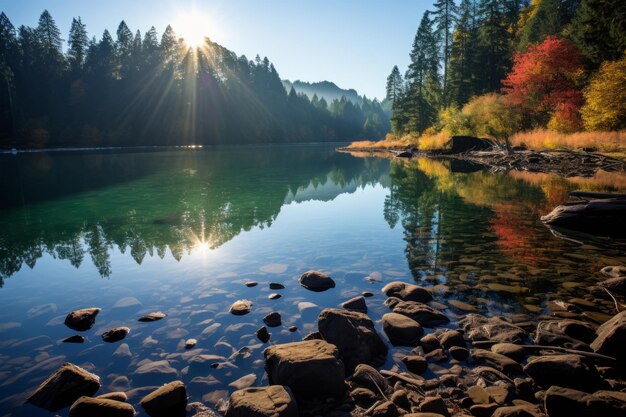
(193, 28)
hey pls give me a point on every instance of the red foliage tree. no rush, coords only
(544, 84)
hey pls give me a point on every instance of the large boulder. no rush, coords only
(566, 402)
(494, 329)
(170, 400)
(600, 217)
(421, 313)
(354, 335)
(402, 330)
(569, 371)
(83, 319)
(100, 407)
(407, 292)
(460, 144)
(312, 369)
(272, 401)
(63, 387)
(316, 281)
(612, 337)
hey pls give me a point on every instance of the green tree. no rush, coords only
(395, 86)
(77, 45)
(49, 41)
(445, 16)
(494, 36)
(543, 18)
(464, 69)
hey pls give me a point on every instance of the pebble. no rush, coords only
(190, 343)
(115, 334)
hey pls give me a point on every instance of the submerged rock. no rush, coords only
(115, 334)
(316, 281)
(407, 292)
(157, 315)
(354, 335)
(240, 307)
(569, 371)
(170, 400)
(497, 361)
(273, 319)
(251, 284)
(421, 313)
(355, 304)
(190, 343)
(74, 339)
(572, 334)
(100, 407)
(276, 286)
(263, 334)
(63, 387)
(83, 319)
(566, 402)
(312, 369)
(272, 401)
(494, 329)
(415, 363)
(402, 330)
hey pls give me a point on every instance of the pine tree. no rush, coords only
(9, 56)
(169, 49)
(78, 44)
(493, 36)
(49, 41)
(395, 86)
(463, 58)
(445, 16)
(150, 49)
(543, 18)
(124, 47)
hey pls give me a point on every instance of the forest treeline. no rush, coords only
(496, 67)
(129, 89)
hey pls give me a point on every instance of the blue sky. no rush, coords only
(353, 43)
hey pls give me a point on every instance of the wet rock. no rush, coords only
(407, 292)
(434, 405)
(122, 352)
(495, 360)
(478, 328)
(127, 302)
(292, 328)
(483, 410)
(367, 294)
(612, 337)
(354, 335)
(263, 334)
(276, 286)
(312, 369)
(513, 351)
(100, 407)
(154, 316)
(274, 296)
(614, 271)
(190, 343)
(245, 381)
(430, 343)
(251, 284)
(74, 339)
(421, 313)
(115, 334)
(115, 396)
(459, 353)
(385, 409)
(170, 400)
(569, 371)
(316, 281)
(566, 402)
(518, 411)
(368, 377)
(402, 330)
(452, 338)
(415, 363)
(154, 372)
(272, 401)
(83, 319)
(615, 285)
(273, 319)
(478, 395)
(465, 307)
(355, 304)
(63, 387)
(437, 355)
(391, 302)
(571, 334)
(400, 397)
(240, 307)
(363, 396)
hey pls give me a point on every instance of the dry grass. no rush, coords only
(547, 139)
(430, 142)
(424, 142)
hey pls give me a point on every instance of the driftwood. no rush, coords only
(592, 355)
(402, 378)
(601, 217)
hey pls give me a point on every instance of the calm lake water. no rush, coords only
(181, 231)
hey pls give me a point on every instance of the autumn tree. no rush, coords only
(544, 85)
(605, 107)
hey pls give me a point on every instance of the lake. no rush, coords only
(181, 231)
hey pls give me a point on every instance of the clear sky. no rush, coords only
(353, 43)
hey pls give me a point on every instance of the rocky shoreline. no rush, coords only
(557, 365)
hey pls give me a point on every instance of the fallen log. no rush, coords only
(601, 217)
(592, 195)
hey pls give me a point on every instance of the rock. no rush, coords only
(566, 402)
(400, 397)
(452, 338)
(415, 363)
(437, 355)
(115, 334)
(74, 339)
(385, 409)
(518, 411)
(614, 271)
(460, 144)
(572, 334)
(312, 369)
(154, 372)
(430, 343)
(510, 350)
(292, 328)
(63, 387)
(478, 395)
(251, 284)
(115, 396)
(368, 377)
(407, 292)
(569, 371)
(245, 381)
(612, 337)
(483, 410)
(494, 329)
(240, 307)
(100, 407)
(363, 396)
(495, 360)
(465, 307)
(157, 315)
(263, 334)
(127, 302)
(459, 353)
(355, 304)
(421, 313)
(402, 330)
(354, 335)
(122, 352)
(276, 286)
(615, 285)
(83, 319)
(170, 400)
(600, 217)
(274, 296)
(273, 319)
(367, 294)
(316, 281)
(391, 302)
(434, 405)
(272, 401)
(190, 343)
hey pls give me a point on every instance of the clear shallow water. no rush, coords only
(181, 231)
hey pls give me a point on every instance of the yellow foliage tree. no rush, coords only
(605, 107)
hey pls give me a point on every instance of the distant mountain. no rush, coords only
(329, 90)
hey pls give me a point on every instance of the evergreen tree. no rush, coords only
(124, 47)
(543, 18)
(77, 45)
(493, 36)
(395, 85)
(464, 68)
(49, 41)
(445, 16)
